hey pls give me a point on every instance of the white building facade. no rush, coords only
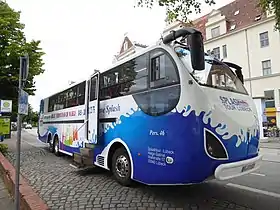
(240, 33)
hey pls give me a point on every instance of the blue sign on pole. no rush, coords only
(23, 103)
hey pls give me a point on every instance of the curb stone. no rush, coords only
(29, 200)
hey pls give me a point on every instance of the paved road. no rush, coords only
(63, 187)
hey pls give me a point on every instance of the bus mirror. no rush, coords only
(195, 42)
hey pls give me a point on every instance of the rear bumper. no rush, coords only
(236, 169)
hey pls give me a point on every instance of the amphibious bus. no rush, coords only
(168, 115)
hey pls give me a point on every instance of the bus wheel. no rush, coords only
(56, 146)
(121, 167)
(51, 147)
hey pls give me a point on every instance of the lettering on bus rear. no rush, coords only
(160, 157)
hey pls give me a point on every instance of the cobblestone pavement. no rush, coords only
(63, 187)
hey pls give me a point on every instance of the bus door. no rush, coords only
(93, 109)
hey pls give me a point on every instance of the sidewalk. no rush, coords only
(270, 149)
(6, 202)
(270, 143)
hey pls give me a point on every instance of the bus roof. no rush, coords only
(124, 60)
(68, 87)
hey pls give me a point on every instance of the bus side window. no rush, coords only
(164, 92)
(81, 93)
(157, 73)
(163, 70)
(127, 78)
(93, 94)
(71, 98)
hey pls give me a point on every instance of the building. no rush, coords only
(242, 33)
(128, 48)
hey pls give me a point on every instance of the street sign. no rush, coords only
(24, 67)
(5, 126)
(6, 106)
(23, 103)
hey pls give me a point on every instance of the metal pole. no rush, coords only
(17, 195)
(249, 63)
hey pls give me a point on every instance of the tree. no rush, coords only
(32, 117)
(13, 44)
(180, 9)
(272, 6)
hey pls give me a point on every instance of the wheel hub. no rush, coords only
(122, 166)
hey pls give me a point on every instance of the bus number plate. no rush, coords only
(248, 167)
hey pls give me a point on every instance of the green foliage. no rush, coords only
(180, 9)
(3, 148)
(13, 44)
(272, 6)
(32, 117)
(176, 9)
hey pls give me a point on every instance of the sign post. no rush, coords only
(22, 110)
(6, 106)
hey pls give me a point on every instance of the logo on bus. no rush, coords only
(235, 104)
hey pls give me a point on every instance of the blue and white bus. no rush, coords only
(167, 115)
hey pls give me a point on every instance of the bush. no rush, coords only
(3, 148)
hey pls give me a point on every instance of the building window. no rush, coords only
(224, 51)
(125, 46)
(216, 52)
(215, 31)
(264, 41)
(232, 27)
(269, 99)
(266, 67)
(236, 12)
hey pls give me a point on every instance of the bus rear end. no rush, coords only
(228, 118)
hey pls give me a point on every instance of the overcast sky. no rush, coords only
(80, 36)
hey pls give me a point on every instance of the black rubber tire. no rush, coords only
(55, 142)
(125, 181)
(51, 147)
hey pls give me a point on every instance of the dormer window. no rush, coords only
(236, 12)
(215, 31)
(232, 27)
(125, 46)
(258, 17)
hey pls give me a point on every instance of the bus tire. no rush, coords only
(51, 147)
(56, 146)
(121, 167)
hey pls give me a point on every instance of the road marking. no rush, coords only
(257, 174)
(272, 194)
(73, 166)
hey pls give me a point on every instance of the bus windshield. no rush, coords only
(216, 73)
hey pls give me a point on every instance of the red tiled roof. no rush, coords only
(248, 11)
